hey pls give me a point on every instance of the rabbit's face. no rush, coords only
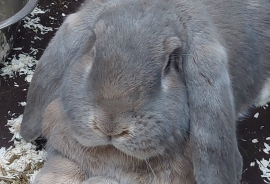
(128, 91)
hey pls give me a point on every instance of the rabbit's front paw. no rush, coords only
(59, 170)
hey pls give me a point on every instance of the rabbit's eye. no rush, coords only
(174, 62)
(167, 68)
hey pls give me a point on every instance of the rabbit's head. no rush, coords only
(128, 87)
(144, 77)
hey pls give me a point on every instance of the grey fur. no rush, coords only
(117, 111)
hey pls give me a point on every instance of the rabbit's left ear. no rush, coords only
(72, 38)
(212, 114)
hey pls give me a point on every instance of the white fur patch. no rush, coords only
(165, 85)
(73, 19)
(264, 96)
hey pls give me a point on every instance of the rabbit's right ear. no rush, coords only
(72, 37)
(213, 139)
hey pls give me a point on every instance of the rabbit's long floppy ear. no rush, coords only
(212, 116)
(61, 53)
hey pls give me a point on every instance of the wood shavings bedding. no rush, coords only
(264, 166)
(21, 162)
(264, 163)
(32, 22)
(23, 64)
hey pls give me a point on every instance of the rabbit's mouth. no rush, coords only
(131, 147)
(139, 154)
(136, 149)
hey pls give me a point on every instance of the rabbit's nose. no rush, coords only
(113, 130)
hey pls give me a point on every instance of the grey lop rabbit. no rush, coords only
(149, 91)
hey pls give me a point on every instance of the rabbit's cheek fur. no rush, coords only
(156, 131)
(152, 134)
(144, 140)
(83, 130)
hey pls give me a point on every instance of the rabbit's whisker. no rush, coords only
(148, 164)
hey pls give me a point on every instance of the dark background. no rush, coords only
(248, 129)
